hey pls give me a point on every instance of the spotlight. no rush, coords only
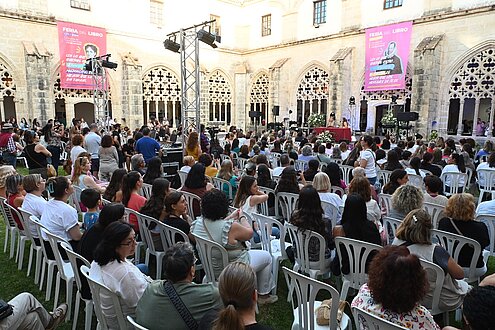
(107, 64)
(207, 37)
(171, 45)
(352, 100)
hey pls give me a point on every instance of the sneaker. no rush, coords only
(267, 299)
(58, 316)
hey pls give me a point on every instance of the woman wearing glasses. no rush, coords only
(111, 267)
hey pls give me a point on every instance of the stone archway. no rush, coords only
(312, 94)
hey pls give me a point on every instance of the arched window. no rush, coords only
(312, 94)
(259, 98)
(472, 96)
(162, 96)
(219, 99)
(7, 93)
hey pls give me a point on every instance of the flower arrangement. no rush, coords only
(325, 137)
(388, 118)
(316, 120)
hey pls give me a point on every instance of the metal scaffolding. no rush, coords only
(100, 91)
(190, 80)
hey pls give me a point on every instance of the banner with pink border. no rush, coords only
(387, 52)
(78, 42)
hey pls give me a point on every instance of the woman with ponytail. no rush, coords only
(131, 183)
(237, 286)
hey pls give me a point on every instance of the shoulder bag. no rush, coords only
(179, 305)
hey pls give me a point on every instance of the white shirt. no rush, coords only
(413, 172)
(277, 171)
(452, 168)
(373, 212)
(370, 169)
(185, 168)
(34, 205)
(438, 200)
(333, 199)
(59, 218)
(124, 279)
(487, 207)
(74, 152)
(345, 154)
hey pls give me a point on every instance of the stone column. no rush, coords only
(492, 112)
(459, 120)
(340, 78)
(241, 97)
(476, 112)
(426, 82)
(274, 93)
(2, 109)
(132, 91)
(38, 62)
(70, 111)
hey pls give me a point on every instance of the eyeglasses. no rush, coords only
(129, 243)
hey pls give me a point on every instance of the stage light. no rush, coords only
(207, 37)
(107, 64)
(171, 45)
(352, 100)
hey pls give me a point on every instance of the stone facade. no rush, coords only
(446, 34)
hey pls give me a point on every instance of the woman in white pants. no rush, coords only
(232, 232)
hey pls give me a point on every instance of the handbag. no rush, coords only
(5, 309)
(179, 305)
(323, 312)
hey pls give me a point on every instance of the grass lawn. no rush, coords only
(278, 315)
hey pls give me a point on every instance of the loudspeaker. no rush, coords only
(254, 114)
(276, 110)
(407, 116)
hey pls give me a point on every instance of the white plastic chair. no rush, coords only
(183, 177)
(34, 247)
(486, 182)
(97, 290)
(274, 159)
(454, 243)
(241, 162)
(337, 190)
(191, 199)
(276, 247)
(224, 157)
(302, 292)
(300, 242)
(139, 244)
(456, 183)
(48, 265)
(64, 271)
(346, 171)
(390, 226)
(171, 234)
(489, 221)
(209, 250)
(287, 202)
(135, 324)
(330, 211)
(416, 180)
(221, 183)
(357, 252)
(10, 211)
(146, 190)
(384, 177)
(365, 320)
(73, 259)
(435, 211)
(385, 202)
(436, 277)
(74, 199)
(147, 236)
(263, 207)
(300, 165)
(10, 229)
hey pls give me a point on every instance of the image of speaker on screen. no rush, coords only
(91, 50)
(391, 62)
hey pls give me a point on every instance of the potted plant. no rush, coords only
(316, 120)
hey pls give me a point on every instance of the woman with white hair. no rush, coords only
(321, 183)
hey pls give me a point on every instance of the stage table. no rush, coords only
(339, 133)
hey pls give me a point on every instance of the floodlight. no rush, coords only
(207, 37)
(171, 45)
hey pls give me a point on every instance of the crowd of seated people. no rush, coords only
(105, 237)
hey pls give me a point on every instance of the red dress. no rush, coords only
(10, 200)
(135, 203)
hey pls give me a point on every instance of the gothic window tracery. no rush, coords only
(162, 95)
(219, 98)
(312, 94)
(259, 97)
(7, 82)
(472, 94)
